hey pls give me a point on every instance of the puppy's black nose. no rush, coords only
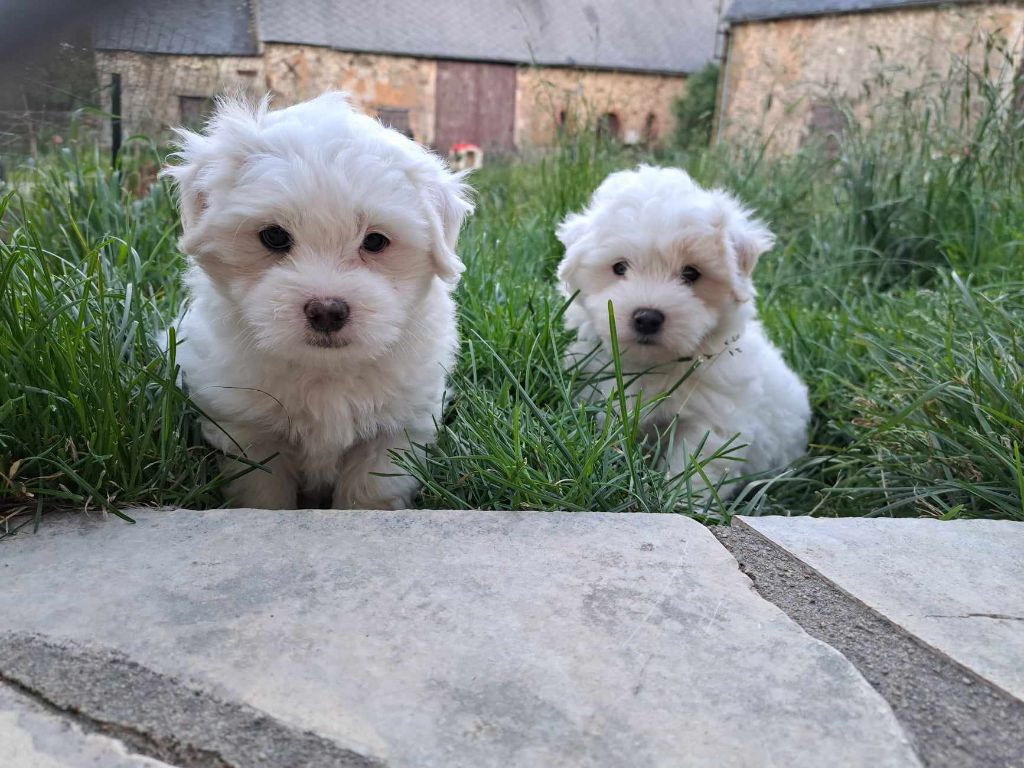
(648, 322)
(326, 315)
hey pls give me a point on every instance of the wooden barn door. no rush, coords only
(476, 103)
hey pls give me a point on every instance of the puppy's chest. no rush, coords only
(324, 414)
(696, 401)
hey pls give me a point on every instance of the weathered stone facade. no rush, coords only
(299, 72)
(158, 89)
(777, 73)
(641, 102)
(153, 85)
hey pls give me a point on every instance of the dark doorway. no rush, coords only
(609, 127)
(476, 103)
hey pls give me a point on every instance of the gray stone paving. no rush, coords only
(438, 638)
(32, 736)
(954, 719)
(956, 585)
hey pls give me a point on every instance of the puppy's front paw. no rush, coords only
(262, 490)
(376, 492)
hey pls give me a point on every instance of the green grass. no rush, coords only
(896, 290)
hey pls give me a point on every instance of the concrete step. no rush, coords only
(924, 609)
(427, 639)
(34, 736)
(956, 585)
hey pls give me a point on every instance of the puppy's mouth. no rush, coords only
(647, 341)
(325, 341)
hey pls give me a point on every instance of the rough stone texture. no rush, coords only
(157, 715)
(298, 72)
(954, 719)
(152, 85)
(957, 585)
(32, 736)
(544, 93)
(460, 638)
(776, 72)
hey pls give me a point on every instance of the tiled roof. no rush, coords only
(644, 35)
(212, 27)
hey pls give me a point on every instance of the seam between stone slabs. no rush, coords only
(952, 717)
(156, 715)
(134, 741)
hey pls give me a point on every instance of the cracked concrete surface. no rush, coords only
(955, 719)
(151, 714)
(33, 735)
(432, 639)
(956, 585)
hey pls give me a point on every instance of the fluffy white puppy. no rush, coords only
(675, 261)
(320, 323)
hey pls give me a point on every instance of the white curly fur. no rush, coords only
(658, 221)
(329, 405)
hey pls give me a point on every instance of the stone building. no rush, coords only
(789, 61)
(499, 74)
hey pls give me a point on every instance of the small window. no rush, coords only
(193, 110)
(609, 126)
(398, 119)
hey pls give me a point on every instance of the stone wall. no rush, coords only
(544, 94)
(778, 74)
(153, 85)
(297, 72)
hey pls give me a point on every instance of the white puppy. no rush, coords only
(675, 261)
(320, 324)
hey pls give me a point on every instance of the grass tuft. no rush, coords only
(896, 290)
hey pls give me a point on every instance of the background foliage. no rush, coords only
(896, 290)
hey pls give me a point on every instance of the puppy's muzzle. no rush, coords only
(647, 322)
(326, 315)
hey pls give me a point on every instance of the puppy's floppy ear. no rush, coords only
(569, 232)
(232, 124)
(191, 195)
(448, 205)
(571, 228)
(748, 235)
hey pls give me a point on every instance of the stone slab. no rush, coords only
(956, 585)
(33, 737)
(456, 638)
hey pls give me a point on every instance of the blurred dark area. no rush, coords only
(47, 66)
(31, 30)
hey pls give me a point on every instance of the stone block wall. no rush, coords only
(153, 85)
(641, 102)
(157, 89)
(297, 72)
(778, 73)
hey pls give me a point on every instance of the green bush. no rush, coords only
(695, 110)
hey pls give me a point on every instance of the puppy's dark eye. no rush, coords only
(690, 274)
(276, 238)
(620, 267)
(375, 242)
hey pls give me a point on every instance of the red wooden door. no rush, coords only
(476, 103)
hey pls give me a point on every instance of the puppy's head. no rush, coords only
(674, 259)
(322, 229)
